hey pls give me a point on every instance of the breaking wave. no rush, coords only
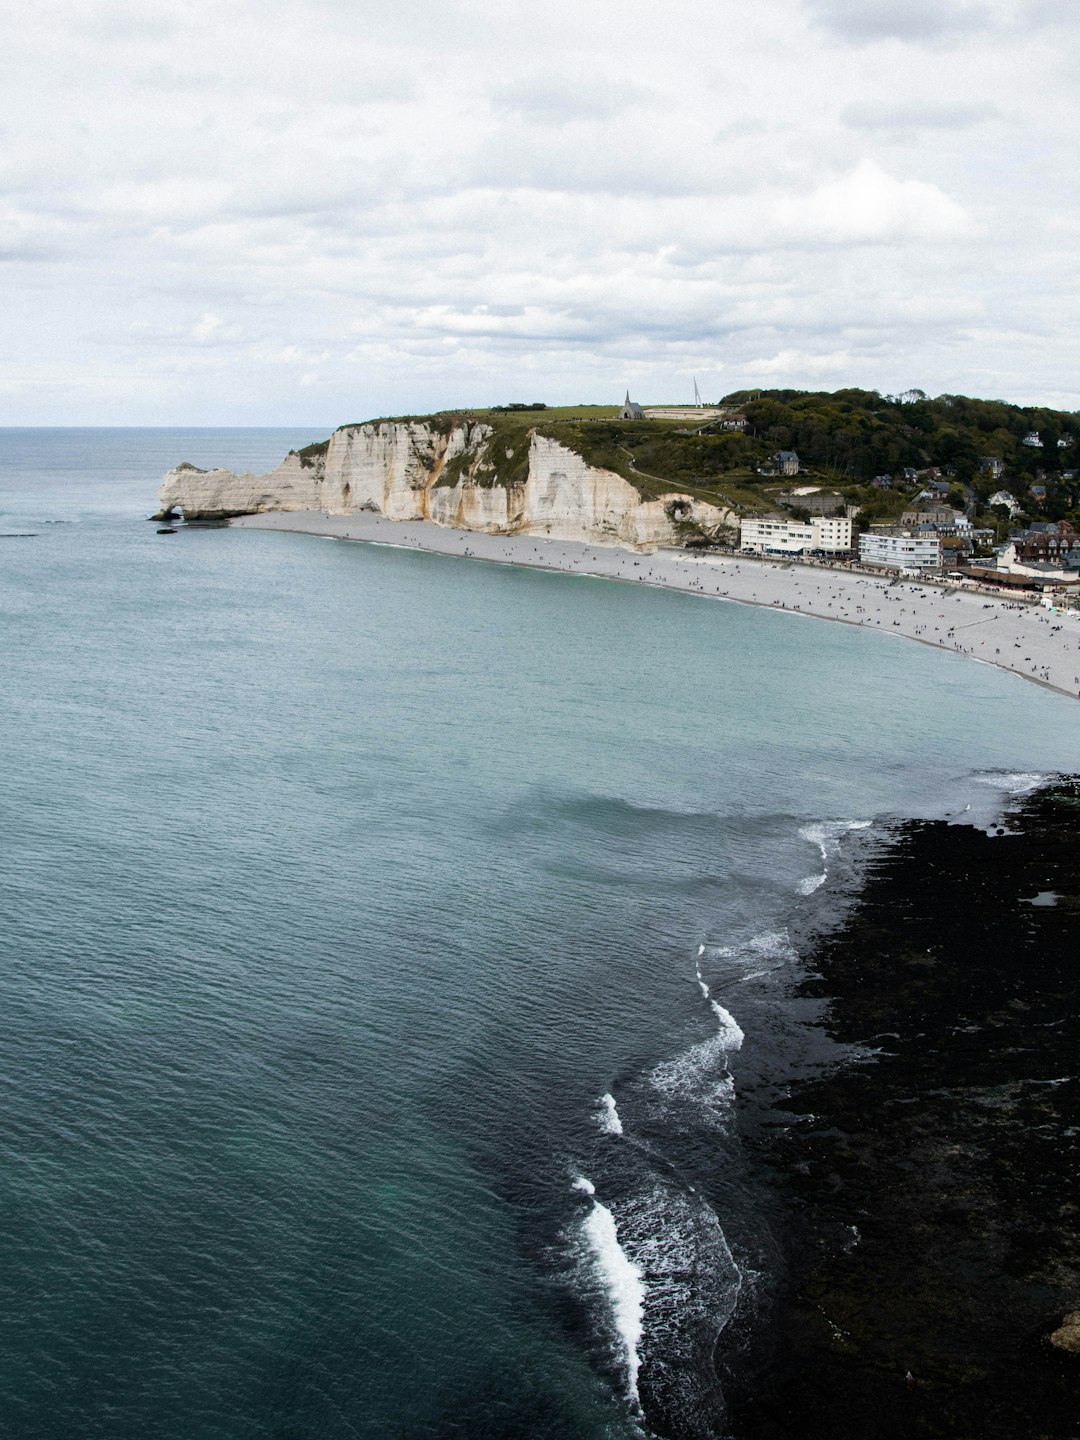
(826, 835)
(620, 1282)
(608, 1116)
(657, 1264)
(700, 1073)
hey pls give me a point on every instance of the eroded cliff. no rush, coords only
(462, 474)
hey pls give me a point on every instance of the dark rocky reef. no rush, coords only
(927, 1200)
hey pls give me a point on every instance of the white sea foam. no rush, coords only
(809, 883)
(731, 1033)
(826, 835)
(1019, 783)
(621, 1282)
(693, 1074)
(608, 1117)
(700, 978)
(769, 951)
(690, 1284)
(668, 1234)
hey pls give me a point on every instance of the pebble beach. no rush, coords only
(1031, 641)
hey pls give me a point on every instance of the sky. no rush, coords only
(261, 212)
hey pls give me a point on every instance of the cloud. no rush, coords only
(1048, 13)
(915, 21)
(914, 114)
(871, 205)
(411, 206)
(210, 329)
(799, 362)
(117, 24)
(555, 99)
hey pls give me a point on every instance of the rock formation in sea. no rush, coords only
(460, 473)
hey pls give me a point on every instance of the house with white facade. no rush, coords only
(1002, 497)
(897, 549)
(832, 534)
(992, 466)
(780, 535)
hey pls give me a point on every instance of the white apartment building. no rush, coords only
(776, 535)
(900, 550)
(832, 534)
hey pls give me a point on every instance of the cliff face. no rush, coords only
(462, 476)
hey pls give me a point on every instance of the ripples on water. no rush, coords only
(389, 947)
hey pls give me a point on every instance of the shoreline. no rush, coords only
(924, 1197)
(1024, 639)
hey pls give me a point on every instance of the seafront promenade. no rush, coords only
(1027, 639)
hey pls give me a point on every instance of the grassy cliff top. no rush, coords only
(844, 440)
(655, 456)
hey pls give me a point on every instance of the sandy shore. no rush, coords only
(1026, 639)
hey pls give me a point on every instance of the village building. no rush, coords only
(1053, 542)
(780, 535)
(934, 515)
(990, 465)
(934, 491)
(897, 549)
(949, 526)
(631, 410)
(1046, 556)
(786, 462)
(1002, 497)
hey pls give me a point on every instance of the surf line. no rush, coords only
(622, 1282)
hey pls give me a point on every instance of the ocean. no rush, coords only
(397, 950)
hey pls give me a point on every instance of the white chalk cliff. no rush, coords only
(418, 470)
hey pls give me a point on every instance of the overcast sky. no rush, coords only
(294, 211)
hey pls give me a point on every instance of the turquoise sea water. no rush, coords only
(338, 887)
